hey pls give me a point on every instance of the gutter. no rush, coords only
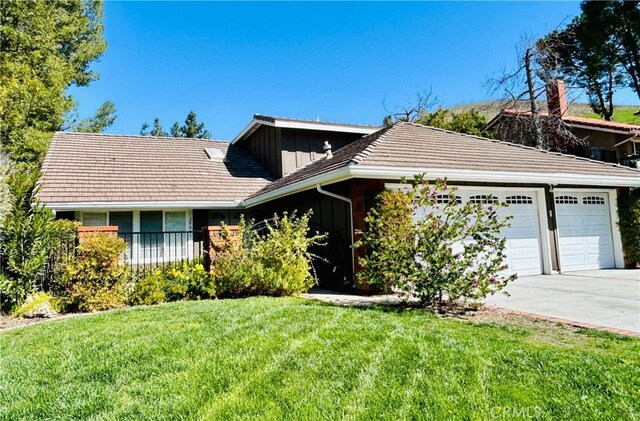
(344, 199)
(134, 205)
(333, 176)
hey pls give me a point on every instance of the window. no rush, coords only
(151, 239)
(445, 198)
(123, 220)
(567, 200)
(593, 200)
(176, 239)
(235, 220)
(94, 219)
(215, 217)
(175, 221)
(483, 198)
(519, 200)
(636, 148)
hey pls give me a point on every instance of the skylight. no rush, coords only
(214, 154)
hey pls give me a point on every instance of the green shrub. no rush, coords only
(277, 262)
(629, 222)
(389, 241)
(188, 281)
(39, 304)
(29, 232)
(149, 290)
(453, 250)
(232, 269)
(95, 280)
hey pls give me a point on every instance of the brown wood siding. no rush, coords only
(329, 215)
(264, 145)
(299, 147)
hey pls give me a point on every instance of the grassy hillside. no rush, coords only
(622, 113)
(292, 359)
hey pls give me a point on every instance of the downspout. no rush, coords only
(344, 199)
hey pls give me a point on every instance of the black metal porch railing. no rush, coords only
(148, 251)
(145, 252)
(630, 161)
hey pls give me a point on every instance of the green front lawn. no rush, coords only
(288, 358)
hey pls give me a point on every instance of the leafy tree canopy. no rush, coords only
(598, 51)
(191, 128)
(467, 121)
(103, 118)
(46, 47)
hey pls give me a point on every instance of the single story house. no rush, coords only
(563, 207)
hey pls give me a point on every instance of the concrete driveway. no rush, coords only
(608, 298)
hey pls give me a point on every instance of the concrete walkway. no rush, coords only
(606, 298)
(352, 300)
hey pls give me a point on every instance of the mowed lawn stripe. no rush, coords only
(288, 358)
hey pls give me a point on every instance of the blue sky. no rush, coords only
(341, 62)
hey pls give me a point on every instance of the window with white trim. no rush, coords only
(519, 200)
(94, 219)
(122, 220)
(445, 198)
(566, 200)
(175, 221)
(593, 200)
(483, 198)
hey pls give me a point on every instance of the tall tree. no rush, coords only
(46, 47)
(191, 128)
(103, 118)
(528, 83)
(155, 131)
(620, 21)
(586, 53)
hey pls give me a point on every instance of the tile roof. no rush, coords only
(86, 167)
(409, 145)
(583, 121)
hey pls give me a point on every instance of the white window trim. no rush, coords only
(135, 258)
(618, 253)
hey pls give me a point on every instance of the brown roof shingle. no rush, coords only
(85, 167)
(583, 121)
(408, 145)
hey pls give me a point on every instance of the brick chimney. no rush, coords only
(557, 98)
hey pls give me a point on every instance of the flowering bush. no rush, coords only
(188, 281)
(448, 250)
(149, 290)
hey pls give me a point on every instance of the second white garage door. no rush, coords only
(584, 231)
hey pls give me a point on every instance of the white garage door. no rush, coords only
(584, 231)
(523, 236)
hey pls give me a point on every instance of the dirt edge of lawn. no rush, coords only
(485, 314)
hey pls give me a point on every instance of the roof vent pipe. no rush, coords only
(327, 150)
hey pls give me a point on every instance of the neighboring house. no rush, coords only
(607, 141)
(563, 207)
